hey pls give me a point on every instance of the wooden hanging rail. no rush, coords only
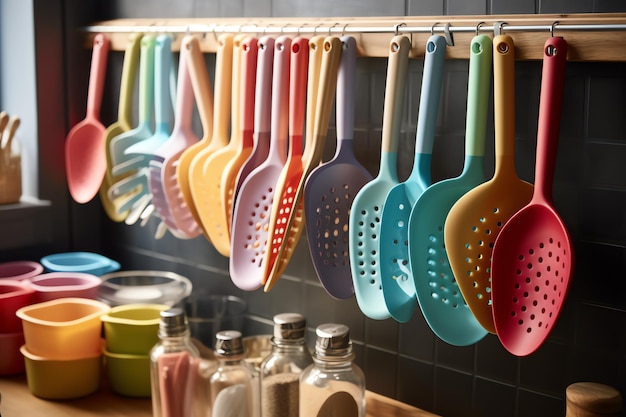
(590, 37)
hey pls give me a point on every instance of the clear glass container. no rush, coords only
(174, 368)
(281, 369)
(333, 384)
(232, 389)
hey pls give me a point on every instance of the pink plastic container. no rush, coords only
(20, 270)
(11, 360)
(55, 285)
(13, 296)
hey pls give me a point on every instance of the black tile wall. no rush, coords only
(407, 361)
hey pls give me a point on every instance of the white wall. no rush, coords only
(17, 82)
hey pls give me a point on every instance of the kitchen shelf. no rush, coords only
(590, 37)
(18, 400)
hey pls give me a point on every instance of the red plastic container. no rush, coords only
(20, 270)
(13, 296)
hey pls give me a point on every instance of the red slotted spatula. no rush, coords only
(533, 255)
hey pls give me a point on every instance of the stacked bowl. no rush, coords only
(130, 332)
(14, 295)
(63, 346)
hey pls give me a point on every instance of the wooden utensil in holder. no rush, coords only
(10, 165)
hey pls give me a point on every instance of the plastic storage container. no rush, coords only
(132, 328)
(87, 262)
(65, 328)
(60, 379)
(55, 285)
(13, 296)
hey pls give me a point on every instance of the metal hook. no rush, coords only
(396, 28)
(478, 27)
(331, 27)
(315, 29)
(343, 30)
(497, 28)
(552, 28)
(432, 28)
(213, 30)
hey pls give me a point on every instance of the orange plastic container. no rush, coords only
(65, 328)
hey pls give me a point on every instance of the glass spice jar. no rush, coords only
(232, 390)
(281, 369)
(333, 385)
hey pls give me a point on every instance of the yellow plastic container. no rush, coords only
(65, 328)
(132, 328)
(61, 379)
(129, 375)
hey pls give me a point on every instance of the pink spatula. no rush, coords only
(85, 160)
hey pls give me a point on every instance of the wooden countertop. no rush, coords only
(17, 400)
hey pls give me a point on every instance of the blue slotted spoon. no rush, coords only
(395, 271)
(438, 294)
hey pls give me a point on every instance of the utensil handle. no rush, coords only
(397, 67)
(331, 56)
(235, 97)
(200, 82)
(222, 85)
(146, 78)
(297, 93)
(249, 52)
(550, 104)
(162, 66)
(504, 97)
(9, 134)
(184, 92)
(479, 85)
(280, 96)
(97, 73)
(315, 62)
(346, 78)
(127, 81)
(263, 100)
(432, 76)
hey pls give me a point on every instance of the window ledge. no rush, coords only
(25, 223)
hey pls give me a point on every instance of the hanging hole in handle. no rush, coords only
(503, 48)
(477, 48)
(327, 46)
(551, 50)
(295, 48)
(280, 46)
(245, 47)
(394, 47)
(430, 47)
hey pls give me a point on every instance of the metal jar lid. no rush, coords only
(333, 340)
(228, 343)
(173, 323)
(289, 326)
